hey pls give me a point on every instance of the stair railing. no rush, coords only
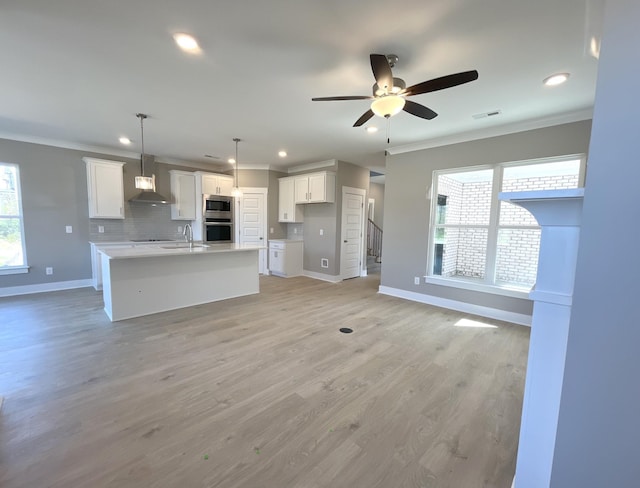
(374, 240)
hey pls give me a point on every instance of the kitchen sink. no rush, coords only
(183, 245)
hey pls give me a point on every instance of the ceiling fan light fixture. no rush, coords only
(387, 106)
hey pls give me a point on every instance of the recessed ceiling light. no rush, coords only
(232, 161)
(282, 154)
(556, 79)
(186, 42)
(371, 129)
(125, 140)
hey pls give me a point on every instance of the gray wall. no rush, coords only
(407, 184)
(54, 195)
(599, 425)
(376, 191)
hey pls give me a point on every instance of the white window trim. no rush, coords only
(9, 270)
(488, 286)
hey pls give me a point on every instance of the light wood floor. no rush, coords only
(258, 392)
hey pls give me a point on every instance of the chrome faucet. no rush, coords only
(188, 235)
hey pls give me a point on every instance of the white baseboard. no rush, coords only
(492, 313)
(322, 276)
(10, 291)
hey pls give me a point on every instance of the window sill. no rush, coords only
(9, 270)
(481, 287)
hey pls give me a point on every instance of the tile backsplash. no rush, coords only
(295, 231)
(142, 221)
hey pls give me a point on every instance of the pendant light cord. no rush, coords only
(236, 140)
(142, 117)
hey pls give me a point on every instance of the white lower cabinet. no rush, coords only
(285, 257)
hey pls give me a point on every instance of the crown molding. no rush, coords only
(306, 167)
(69, 145)
(498, 130)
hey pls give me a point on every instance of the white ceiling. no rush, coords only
(75, 72)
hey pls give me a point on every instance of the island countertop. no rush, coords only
(174, 249)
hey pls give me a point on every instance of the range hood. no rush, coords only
(149, 196)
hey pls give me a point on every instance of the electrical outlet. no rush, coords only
(48, 270)
(179, 229)
(416, 280)
(101, 229)
(321, 232)
(68, 229)
(270, 230)
(324, 263)
(295, 230)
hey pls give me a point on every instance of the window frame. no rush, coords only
(23, 268)
(488, 284)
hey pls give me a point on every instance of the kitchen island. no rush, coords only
(149, 279)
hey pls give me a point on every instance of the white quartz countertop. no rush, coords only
(174, 249)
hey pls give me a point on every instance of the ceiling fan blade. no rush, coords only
(441, 83)
(382, 71)
(355, 97)
(365, 116)
(419, 110)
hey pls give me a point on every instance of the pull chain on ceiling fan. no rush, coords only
(389, 93)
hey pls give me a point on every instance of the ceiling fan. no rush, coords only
(389, 93)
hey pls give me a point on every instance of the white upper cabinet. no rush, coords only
(213, 184)
(183, 195)
(288, 211)
(105, 188)
(315, 187)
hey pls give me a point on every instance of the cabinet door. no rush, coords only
(105, 190)
(183, 191)
(302, 189)
(225, 185)
(276, 261)
(285, 199)
(317, 188)
(210, 184)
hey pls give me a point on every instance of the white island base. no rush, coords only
(146, 282)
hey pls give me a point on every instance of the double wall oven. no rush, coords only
(217, 218)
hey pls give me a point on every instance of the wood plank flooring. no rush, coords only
(258, 392)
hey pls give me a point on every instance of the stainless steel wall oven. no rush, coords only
(217, 219)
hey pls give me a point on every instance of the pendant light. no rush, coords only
(235, 191)
(143, 182)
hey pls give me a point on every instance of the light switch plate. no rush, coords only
(101, 229)
(321, 232)
(68, 229)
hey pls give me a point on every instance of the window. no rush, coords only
(12, 253)
(477, 239)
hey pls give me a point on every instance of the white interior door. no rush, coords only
(352, 226)
(252, 221)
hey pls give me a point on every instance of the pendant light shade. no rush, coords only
(235, 191)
